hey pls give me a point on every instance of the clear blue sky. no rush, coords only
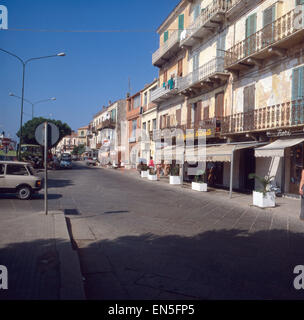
(97, 65)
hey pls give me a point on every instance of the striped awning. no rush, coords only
(276, 148)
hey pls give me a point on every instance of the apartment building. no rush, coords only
(235, 69)
(83, 135)
(67, 143)
(148, 121)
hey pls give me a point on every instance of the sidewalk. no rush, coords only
(285, 206)
(37, 252)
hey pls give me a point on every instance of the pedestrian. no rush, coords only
(151, 163)
(301, 191)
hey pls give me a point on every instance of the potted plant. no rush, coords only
(263, 198)
(152, 174)
(144, 171)
(199, 184)
(174, 175)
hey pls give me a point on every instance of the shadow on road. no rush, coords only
(59, 183)
(35, 196)
(223, 264)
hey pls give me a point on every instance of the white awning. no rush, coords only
(218, 153)
(223, 153)
(276, 148)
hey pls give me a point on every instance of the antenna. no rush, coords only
(129, 85)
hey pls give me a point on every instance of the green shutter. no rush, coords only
(181, 22)
(166, 36)
(251, 25)
(297, 94)
(269, 15)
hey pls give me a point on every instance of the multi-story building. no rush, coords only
(83, 135)
(235, 68)
(67, 143)
(134, 110)
(148, 121)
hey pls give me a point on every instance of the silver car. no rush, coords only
(19, 177)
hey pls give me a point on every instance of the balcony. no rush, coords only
(280, 116)
(273, 39)
(212, 126)
(108, 124)
(234, 7)
(207, 77)
(165, 92)
(166, 50)
(209, 19)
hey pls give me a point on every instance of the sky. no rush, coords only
(96, 67)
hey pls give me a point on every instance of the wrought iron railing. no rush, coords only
(281, 28)
(164, 89)
(173, 38)
(217, 6)
(277, 116)
(203, 72)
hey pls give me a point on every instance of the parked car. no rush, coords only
(91, 162)
(20, 178)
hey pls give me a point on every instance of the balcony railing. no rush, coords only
(279, 116)
(165, 91)
(109, 123)
(172, 40)
(271, 34)
(212, 10)
(216, 65)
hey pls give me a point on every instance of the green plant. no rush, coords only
(200, 177)
(144, 167)
(174, 170)
(152, 171)
(264, 181)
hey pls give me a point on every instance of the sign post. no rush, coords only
(46, 134)
(45, 168)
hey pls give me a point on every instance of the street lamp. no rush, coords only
(32, 103)
(24, 63)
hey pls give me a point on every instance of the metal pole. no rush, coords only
(45, 168)
(21, 116)
(32, 111)
(231, 173)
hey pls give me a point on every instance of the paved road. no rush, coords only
(138, 239)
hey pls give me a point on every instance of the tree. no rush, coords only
(28, 129)
(78, 150)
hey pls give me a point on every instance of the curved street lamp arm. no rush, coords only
(12, 54)
(38, 58)
(45, 100)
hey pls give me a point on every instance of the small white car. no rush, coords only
(19, 177)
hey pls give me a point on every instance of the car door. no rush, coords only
(15, 175)
(2, 176)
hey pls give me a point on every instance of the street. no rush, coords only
(138, 239)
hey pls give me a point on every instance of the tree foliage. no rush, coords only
(28, 129)
(78, 150)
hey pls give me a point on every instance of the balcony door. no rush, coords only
(250, 41)
(297, 111)
(249, 106)
(219, 105)
(268, 27)
(195, 67)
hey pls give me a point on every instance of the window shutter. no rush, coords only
(189, 107)
(160, 122)
(196, 12)
(178, 116)
(198, 112)
(166, 36)
(206, 113)
(268, 15)
(181, 22)
(251, 25)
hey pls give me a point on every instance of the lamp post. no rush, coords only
(24, 63)
(32, 103)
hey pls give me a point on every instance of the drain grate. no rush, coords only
(71, 212)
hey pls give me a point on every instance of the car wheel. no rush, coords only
(24, 193)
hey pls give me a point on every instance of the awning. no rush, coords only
(276, 148)
(218, 153)
(223, 153)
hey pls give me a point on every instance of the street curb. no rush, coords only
(71, 283)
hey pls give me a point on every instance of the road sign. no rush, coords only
(52, 134)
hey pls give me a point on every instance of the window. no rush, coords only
(181, 22)
(250, 44)
(16, 170)
(180, 68)
(249, 98)
(144, 126)
(149, 125)
(134, 126)
(136, 102)
(154, 124)
(113, 115)
(145, 98)
(196, 12)
(2, 168)
(297, 94)
(151, 91)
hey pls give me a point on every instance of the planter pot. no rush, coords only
(175, 180)
(144, 174)
(202, 187)
(264, 201)
(152, 177)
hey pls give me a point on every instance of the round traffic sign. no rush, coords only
(52, 134)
